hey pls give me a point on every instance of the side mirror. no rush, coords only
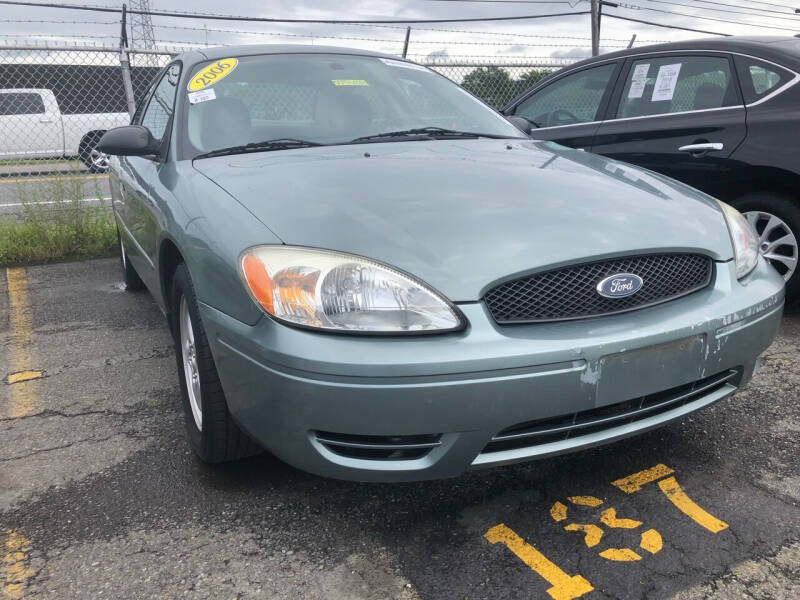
(130, 140)
(521, 123)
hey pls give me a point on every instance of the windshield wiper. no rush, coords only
(276, 144)
(428, 132)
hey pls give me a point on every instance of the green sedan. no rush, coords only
(373, 275)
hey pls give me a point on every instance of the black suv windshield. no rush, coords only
(325, 99)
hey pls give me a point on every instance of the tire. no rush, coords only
(95, 161)
(757, 208)
(129, 275)
(213, 434)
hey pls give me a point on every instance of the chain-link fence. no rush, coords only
(494, 80)
(56, 104)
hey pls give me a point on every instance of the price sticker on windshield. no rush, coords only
(212, 73)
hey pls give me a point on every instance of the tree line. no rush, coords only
(495, 86)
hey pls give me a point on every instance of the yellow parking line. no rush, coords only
(14, 561)
(585, 500)
(34, 179)
(633, 483)
(609, 517)
(687, 506)
(620, 555)
(24, 376)
(564, 587)
(22, 394)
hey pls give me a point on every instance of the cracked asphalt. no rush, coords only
(100, 496)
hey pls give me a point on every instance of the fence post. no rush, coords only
(124, 61)
(125, 64)
(405, 44)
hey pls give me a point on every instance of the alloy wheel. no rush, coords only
(190, 366)
(98, 160)
(776, 242)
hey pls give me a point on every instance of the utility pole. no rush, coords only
(405, 44)
(595, 27)
(597, 12)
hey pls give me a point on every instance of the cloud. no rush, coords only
(513, 49)
(571, 53)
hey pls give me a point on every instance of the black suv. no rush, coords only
(722, 115)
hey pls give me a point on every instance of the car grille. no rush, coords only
(379, 447)
(571, 292)
(572, 426)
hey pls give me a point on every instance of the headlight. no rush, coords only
(342, 292)
(745, 240)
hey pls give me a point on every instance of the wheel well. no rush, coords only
(169, 259)
(90, 135)
(764, 179)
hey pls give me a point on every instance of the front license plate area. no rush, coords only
(628, 375)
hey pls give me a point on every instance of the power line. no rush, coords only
(380, 40)
(54, 22)
(621, 18)
(771, 4)
(786, 16)
(523, 35)
(671, 12)
(219, 17)
(779, 12)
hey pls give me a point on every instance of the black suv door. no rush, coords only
(679, 114)
(566, 110)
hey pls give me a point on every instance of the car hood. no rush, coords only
(464, 215)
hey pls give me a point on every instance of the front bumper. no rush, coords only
(327, 403)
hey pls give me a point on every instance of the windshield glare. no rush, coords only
(327, 99)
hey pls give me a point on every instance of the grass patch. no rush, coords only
(56, 224)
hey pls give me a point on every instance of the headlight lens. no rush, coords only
(745, 240)
(341, 292)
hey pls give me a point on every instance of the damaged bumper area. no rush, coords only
(409, 408)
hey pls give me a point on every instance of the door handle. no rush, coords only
(704, 147)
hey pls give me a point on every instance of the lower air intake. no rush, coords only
(379, 447)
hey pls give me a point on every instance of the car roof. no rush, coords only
(780, 49)
(253, 49)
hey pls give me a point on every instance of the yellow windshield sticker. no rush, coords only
(339, 82)
(212, 73)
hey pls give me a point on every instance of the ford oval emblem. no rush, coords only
(619, 285)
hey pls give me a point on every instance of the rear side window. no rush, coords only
(759, 79)
(664, 85)
(574, 98)
(21, 104)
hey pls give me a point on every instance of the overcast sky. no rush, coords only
(552, 37)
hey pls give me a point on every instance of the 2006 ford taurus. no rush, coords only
(375, 276)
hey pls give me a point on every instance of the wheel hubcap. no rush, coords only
(776, 241)
(190, 369)
(98, 159)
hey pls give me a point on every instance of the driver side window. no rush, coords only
(159, 110)
(572, 99)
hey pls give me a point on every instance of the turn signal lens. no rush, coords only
(342, 292)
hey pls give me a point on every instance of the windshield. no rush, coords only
(324, 99)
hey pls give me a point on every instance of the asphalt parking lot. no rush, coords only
(100, 496)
